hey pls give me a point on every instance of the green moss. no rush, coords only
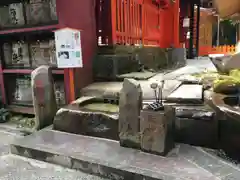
(103, 107)
(224, 81)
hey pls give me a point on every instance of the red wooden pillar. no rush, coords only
(113, 21)
(176, 26)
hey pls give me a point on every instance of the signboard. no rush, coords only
(186, 22)
(68, 48)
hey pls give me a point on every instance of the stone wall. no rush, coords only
(112, 61)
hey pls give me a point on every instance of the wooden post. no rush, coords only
(71, 85)
(198, 29)
(176, 40)
(191, 29)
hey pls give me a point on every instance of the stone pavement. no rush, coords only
(14, 167)
(19, 168)
(106, 158)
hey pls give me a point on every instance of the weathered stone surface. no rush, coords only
(108, 159)
(156, 129)
(75, 118)
(44, 100)
(187, 92)
(228, 115)
(227, 63)
(16, 14)
(38, 12)
(130, 105)
(197, 126)
(177, 57)
(72, 119)
(109, 67)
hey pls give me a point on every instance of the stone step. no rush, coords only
(107, 159)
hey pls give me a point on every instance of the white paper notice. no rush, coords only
(68, 48)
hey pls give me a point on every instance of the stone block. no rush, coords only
(116, 49)
(177, 57)
(16, 14)
(197, 126)
(152, 58)
(53, 9)
(44, 100)
(38, 12)
(187, 93)
(78, 121)
(4, 17)
(109, 67)
(20, 55)
(157, 130)
(130, 105)
(40, 53)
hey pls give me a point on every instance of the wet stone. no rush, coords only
(196, 125)
(44, 100)
(156, 129)
(130, 105)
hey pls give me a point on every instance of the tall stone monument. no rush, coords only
(130, 105)
(44, 100)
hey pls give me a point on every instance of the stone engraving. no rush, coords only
(40, 53)
(157, 130)
(16, 14)
(20, 55)
(44, 100)
(130, 105)
(38, 12)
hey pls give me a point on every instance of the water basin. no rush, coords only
(103, 107)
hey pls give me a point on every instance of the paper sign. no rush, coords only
(68, 48)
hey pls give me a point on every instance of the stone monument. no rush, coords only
(157, 125)
(44, 100)
(157, 130)
(130, 105)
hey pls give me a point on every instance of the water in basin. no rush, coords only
(103, 107)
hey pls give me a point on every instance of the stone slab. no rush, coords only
(72, 119)
(108, 159)
(187, 92)
(112, 89)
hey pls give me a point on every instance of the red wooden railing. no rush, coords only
(136, 22)
(206, 50)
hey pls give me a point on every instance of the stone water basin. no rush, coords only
(102, 107)
(89, 116)
(228, 112)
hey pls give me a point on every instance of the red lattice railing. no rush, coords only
(227, 49)
(135, 22)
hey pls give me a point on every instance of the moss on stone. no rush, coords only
(104, 107)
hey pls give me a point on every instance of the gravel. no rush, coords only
(18, 168)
